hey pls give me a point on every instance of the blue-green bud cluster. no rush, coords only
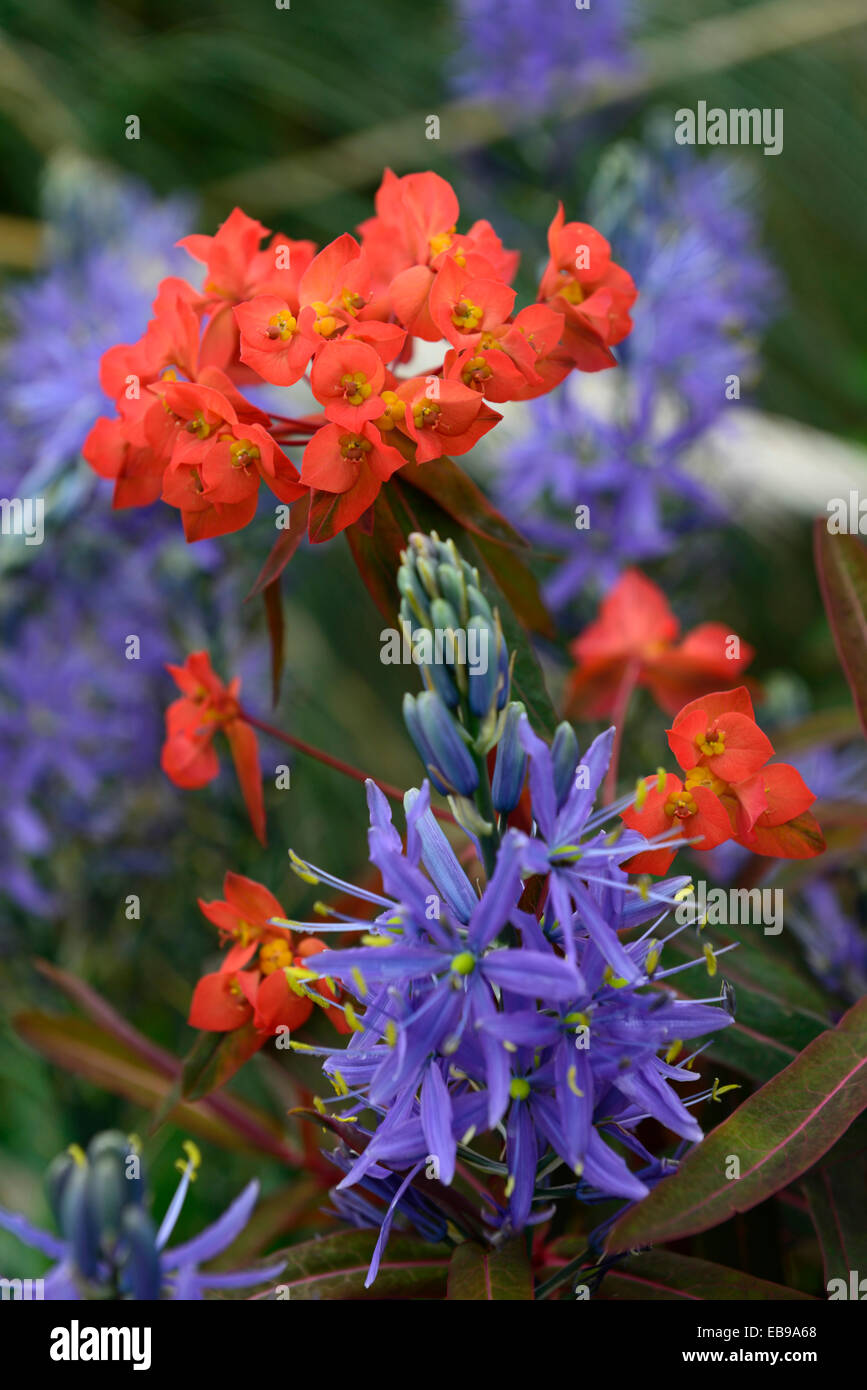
(458, 644)
(98, 1199)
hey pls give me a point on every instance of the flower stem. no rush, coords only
(337, 763)
(625, 691)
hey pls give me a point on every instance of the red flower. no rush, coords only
(582, 282)
(352, 464)
(731, 791)
(346, 379)
(206, 706)
(274, 341)
(233, 996)
(464, 307)
(238, 270)
(440, 417)
(637, 630)
(665, 805)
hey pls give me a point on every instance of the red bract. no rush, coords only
(583, 283)
(349, 314)
(350, 464)
(636, 635)
(731, 791)
(438, 416)
(206, 707)
(268, 994)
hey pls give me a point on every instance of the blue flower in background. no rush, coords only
(618, 442)
(536, 51)
(80, 708)
(107, 246)
(110, 1247)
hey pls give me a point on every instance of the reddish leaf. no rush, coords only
(779, 1132)
(841, 566)
(283, 548)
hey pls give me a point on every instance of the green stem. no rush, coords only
(489, 843)
(338, 764)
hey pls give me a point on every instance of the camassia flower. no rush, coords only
(730, 791)
(207, 707)
(110, 1248)
(252, 984)
(348, 315)
(636, 635)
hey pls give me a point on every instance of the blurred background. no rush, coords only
(746, 264)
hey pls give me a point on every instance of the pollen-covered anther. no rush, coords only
(711, 744)
(467, 316)
(243, 453)
(281, 326)
(681, 806)
(441, 242)
(354, 447)
(274, 955)
(356, 388)
(476, 373)
(426, 416)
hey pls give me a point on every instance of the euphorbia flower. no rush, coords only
(582, 282)
(232, 996)
(238, 270)
(206, 706)
(414, 231)
(351, 464)
(464, 307)
(636, 631)
(666, 806)
(731, 791)
(445, 417)
(346, 379)
(275, 342)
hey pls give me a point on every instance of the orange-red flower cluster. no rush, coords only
(730, 791)
(207, 707)
(347, 315)
(258, 981)
(635, 638)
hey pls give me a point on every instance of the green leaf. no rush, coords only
(336, 1268)
(215, 1057)
(455, 492)
(777, 1014)
(663, 1276)
(779, 1132)
(841, 566)
(835, 1194)
(83, 1049)
(476, 1273)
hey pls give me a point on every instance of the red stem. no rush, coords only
(625, 691)
(337, 763)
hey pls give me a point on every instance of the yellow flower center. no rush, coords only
(282, 326)
(274, 955)
(467, 316)
(356, 388)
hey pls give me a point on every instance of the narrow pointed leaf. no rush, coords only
(336, 1266)
(778, 1132)
(663, 1276)
(841, 566)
